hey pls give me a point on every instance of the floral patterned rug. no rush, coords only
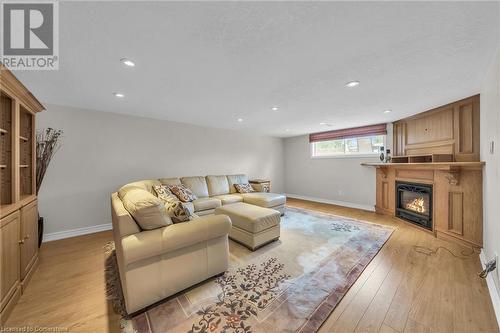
(291, 285)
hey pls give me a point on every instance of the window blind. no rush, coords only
(379, 129)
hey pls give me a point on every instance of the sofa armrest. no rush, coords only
(123, 223)
(156, 242)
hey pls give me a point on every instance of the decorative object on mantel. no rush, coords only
(47, 144)
(382, 156)
(388, 156)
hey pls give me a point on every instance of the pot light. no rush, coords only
(274, 108)
(239, 120)
(127, 62)
(387, 111)
(119, 95)
(287, 130)
(352, 84)
(322, 123)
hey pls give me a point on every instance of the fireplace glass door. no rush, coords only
(414, 203)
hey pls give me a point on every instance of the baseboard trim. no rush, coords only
(492, 288)
(76, 232)
(332, 202)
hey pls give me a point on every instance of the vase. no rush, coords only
(40, 230)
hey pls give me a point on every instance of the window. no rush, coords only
(364, 145)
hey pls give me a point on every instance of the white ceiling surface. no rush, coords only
(209, 63)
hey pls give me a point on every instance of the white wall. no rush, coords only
(490, 131)
(337, 180)
(102, 151)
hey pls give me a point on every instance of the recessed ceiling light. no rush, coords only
(274, 108)
(239, 120)
(127, 62)
(119, 95)
(287, 130)
(352, 84)
(387, 111)
(322, 123)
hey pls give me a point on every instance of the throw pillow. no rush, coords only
(244, 188)
(183, 193)
(175, 209)
(146, 209)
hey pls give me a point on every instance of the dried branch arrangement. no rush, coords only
(47, 144)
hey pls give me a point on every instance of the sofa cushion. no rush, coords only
(263, 199)
(170, 181)
(206, 203)
(197, 184)
(183, 193)
(229, 198)
(244, 188)
(189, 206)
(236, 179)
(146, 209)
(175, 208)
(250, 218)
(217, 185)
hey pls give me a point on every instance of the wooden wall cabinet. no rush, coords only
(10, 279)
(449, 129)
(439, 147)
(28, 239)
(18, 204)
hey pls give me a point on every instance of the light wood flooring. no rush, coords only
(401, 290)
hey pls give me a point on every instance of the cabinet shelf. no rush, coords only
(3, 166)
(23, 165)
(2, 131)
(424, 158)
(23, 138)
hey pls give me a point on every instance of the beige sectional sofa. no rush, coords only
(215, 191)
(197, 249)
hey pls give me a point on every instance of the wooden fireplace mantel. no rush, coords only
(457, 195)
(439, 147)
(433, 165)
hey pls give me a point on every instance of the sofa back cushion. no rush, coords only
(196, 184)
(146, 209)
(146, 185)
(170, 181)
(217, 185)
(236, 179)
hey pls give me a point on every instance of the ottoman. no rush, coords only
(253, 226)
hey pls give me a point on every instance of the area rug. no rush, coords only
(291, 285)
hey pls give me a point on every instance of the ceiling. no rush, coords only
(210, 63)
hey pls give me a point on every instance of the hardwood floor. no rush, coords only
(401, 290)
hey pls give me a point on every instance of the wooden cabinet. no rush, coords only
(29, 238)
(18, 205)
(432, 127)
(449, 129)
(9, 263)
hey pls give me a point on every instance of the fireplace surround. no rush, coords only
(414, 203)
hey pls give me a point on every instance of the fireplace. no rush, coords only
(414, 203)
